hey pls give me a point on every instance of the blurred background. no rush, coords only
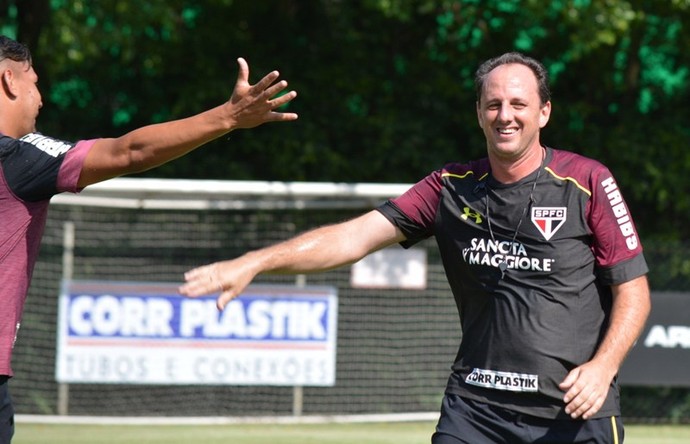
(385, 95)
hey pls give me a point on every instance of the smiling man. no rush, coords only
(551, 289)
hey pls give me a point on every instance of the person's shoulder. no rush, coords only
(584, 171)
(570, 163)
(7, 140)
(8, 145)
(570, 158)
(49, 145)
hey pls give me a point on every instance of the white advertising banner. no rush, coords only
(145, 333)
(392, 267)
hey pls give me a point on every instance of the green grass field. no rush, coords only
(367, 433)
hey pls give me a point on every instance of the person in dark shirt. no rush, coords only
(543, 260)
(34, 167)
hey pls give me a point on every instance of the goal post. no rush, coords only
(395, 343)
(179, 194)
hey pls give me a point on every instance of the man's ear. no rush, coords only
(479, 115)
(7, 80)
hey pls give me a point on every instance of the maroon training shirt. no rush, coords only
(32, 170)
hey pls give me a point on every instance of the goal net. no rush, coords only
(394, 344)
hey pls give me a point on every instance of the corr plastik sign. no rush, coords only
(145, 333)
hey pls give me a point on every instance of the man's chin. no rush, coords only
(506, 150)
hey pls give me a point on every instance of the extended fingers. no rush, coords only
(263, 87)
(270, 93)
(261, 99)
(282, 99)
(585, 404)
(207, 280)
(243, 72)
(201, 281)
(266, 85)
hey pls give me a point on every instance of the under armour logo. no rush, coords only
(468, 212)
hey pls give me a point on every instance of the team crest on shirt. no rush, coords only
(548, 220)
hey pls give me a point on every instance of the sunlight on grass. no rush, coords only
(379, 433)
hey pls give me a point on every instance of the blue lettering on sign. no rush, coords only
(250, 318)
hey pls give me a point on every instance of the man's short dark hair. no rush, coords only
(514, 58)
(13, 50)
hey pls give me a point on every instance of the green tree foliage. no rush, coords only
(385, 86)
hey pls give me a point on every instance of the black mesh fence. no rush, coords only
(394, 349)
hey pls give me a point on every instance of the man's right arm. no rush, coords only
(154, 145)
(321, 249)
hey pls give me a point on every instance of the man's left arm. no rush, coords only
(587, 385)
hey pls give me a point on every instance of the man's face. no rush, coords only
(510, 112)
(25, 96)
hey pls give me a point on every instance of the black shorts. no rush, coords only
(464, 421)
(6, 412)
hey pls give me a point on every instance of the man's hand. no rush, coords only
(586, 388)
(228, 278)
(252, 105)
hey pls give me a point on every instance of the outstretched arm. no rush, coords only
(321, 249)
(587, 385)
(154, 145)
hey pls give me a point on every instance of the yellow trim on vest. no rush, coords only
(457, 175)
(463, 176)
(614, 430)
(577, 184)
